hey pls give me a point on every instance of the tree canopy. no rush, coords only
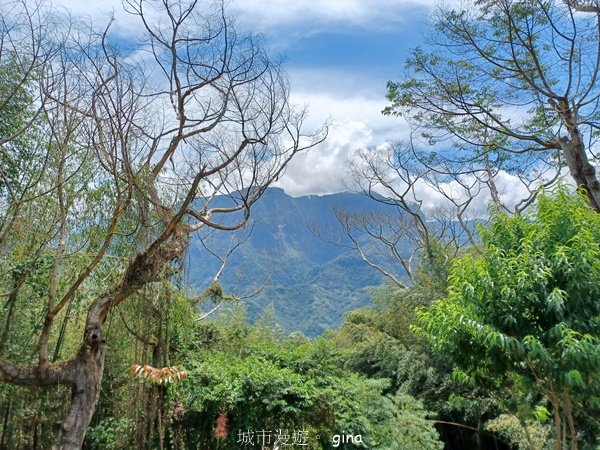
(528, 308)
(507, 86)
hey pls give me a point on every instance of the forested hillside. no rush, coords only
(295, 249)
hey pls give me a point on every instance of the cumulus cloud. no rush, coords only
(342, 97)
(353, 105)
(323, 169)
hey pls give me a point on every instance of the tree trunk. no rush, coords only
(84, 372)
(557, 419)
(10, 304)
(582, 171)
(574, 154)
(570, 421)
(86, 375)
(3, 439)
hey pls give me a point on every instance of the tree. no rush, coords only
(132, 155)
(430, 216)
(254, 378)
(501, 99)
(524, 316)
(508, 87)
(381, 344)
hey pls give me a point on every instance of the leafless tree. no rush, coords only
(429, 214)
(131, 150)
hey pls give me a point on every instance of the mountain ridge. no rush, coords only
(310, 283)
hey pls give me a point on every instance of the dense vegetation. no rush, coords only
(483, 383)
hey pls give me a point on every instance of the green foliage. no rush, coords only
(413, 430)
(529, 436)
(528, 306)
(266, 382)
(19, 157)
(215, 293)
(380, 344)
(108, 434)
(242, 377)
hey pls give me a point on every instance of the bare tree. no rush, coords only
(134, 147)
(429, 213)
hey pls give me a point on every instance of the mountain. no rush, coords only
(310, 282)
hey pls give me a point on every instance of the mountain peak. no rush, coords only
(311, 283)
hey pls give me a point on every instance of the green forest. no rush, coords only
(486, 333)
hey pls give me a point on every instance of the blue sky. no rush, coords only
(339, 56)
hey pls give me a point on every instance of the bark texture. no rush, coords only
(86, 377)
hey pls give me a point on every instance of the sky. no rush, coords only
(339, 54)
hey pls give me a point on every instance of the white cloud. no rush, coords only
(510, 188)
(352, 104)
(100, 12)
(323, 169)
(264, 14)
(345, 97)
